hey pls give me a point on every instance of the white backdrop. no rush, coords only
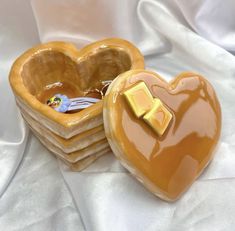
(174, 36)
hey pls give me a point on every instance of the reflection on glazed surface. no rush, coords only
(55, 73)
(59, 67)
(174, 160)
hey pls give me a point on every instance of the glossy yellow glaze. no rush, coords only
(158, 118)
(65, 143)
(139, 98)
(84, 163)
(169, 164)
(40, 71)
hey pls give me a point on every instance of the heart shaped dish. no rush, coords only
(164, 133)
(59, 68)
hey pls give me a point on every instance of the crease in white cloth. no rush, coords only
(174, 36)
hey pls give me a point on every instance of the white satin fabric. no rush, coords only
(174, 36)
(37, 197)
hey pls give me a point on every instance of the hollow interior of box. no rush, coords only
(51, 72)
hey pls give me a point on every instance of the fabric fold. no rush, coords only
(174, 36)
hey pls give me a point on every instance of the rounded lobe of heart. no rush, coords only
(169, 164)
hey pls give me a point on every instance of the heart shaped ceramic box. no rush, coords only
(58, 67)
(167, 164)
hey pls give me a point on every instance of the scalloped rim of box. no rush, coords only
(66, 145)
(70, 121)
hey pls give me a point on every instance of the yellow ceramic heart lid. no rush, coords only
(163, 133)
